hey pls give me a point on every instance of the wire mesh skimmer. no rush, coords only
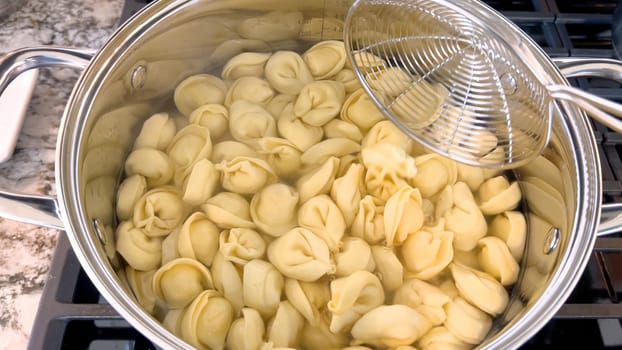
(463, 81)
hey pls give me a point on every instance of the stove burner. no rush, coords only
(73, 315)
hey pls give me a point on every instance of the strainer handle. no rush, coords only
(601, 109)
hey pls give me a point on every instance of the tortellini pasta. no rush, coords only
(214, 117)
(240, 245)
(287, 72)
(301, 255)
(354, 255)
(251, 89)
(325, 58)
(246, 64)
(277, 208)
(199, 90)
(319, 102)
(157, 132)
(206, 321)
(245, 175)
(249, 121)
(262, 286)
(321, 216)
(189, 273)
(159, 211)
(247, 332)
(228, 210)
(155, 166)
(273, 209)
(390, 326)
(351, 297)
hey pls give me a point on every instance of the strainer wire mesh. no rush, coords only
(448, 81)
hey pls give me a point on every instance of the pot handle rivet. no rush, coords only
(551, 241)
(138, 77)
(100, 229)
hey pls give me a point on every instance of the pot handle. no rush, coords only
(36, 209)
(610, 219)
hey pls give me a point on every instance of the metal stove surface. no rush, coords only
(73, 315)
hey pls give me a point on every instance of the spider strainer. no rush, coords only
(465, 84)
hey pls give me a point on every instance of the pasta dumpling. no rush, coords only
(249, 121)
(129, 192)
(319, 337)
(391, 159)
(497, 260)
(480, 289)
(325, 58)
(321, 216)
(200, 182)
(297, 131)
(426, 254)
(141, 252)
(511, 227)
(309, 298)
(390, 326)
(381, 184)
(155, 166)
(351, 297)
(159, 211)
(318, 181)
(348, 190)
(338, 128)
(349, 80)
(205, 323)
(245, 175)
(190, 145)
(423, 297)
(278, 104)
(471, 175)
(464, 218)
(285, 327)
(439, 338)
(199, 90)
(273, 209)
(245, 64)
(262, 286)
(320, 152)
(252, 89)
(287, 72)
(282, 155)
(388, 267)
(141, 283)
(434, 173)
(214, 117)
(228, 210)
(227, 150)
(354, 255)
(361, 111)
(189, 273)
(198, 239)
(227, 281)
(301, 255)
(247, 332)
(392, 81)
(497, 195)
(466, 322)
(386, 131)
(240, 245)
(368, 223)
(319, 102)
(157, 132)
(403, 215)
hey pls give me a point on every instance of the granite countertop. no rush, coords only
(26, 250)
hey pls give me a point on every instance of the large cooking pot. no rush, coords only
(133, 75)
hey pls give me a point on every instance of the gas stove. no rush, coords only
(73, 315)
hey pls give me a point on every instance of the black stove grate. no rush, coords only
(73, 315)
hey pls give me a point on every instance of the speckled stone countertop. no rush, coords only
(26, 250)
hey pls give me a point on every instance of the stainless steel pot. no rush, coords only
(134, 73)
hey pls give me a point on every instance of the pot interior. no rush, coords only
(134, 75)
